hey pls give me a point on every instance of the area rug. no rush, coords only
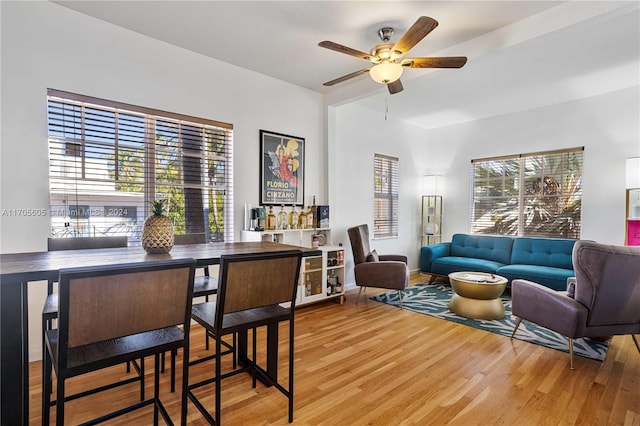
(433, 299)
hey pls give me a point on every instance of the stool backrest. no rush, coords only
(256, 280)
(102, 303)
(180, 239)
(81, 243)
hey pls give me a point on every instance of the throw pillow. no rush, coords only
(571, 287)
(373, 256)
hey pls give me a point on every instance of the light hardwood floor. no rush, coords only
(376, 364)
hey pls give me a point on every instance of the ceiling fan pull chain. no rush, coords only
(386, 108)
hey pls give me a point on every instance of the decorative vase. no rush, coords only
(157, 232)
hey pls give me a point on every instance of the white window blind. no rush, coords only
(385, 198)
(534, 195)
(109, 161)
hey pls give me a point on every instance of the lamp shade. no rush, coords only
(432, 185)
(385, 72)
(633, 173)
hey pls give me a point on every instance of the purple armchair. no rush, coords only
(602, 300)
(374, 270)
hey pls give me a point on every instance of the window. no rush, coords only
(532, 195)
(108, 161)
(385, 196)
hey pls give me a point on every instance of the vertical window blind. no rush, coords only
(385, 198)
(108, 161)
(533, 195)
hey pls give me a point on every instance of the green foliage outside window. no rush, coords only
(529, 195)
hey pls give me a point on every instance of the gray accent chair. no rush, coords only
(602, 300)
(373, 270)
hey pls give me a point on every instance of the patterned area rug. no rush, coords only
(433, 299)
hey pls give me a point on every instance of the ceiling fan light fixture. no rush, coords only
(386, 72)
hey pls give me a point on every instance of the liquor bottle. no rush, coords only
(293, 218)
(312, 218)
(302, 219)
(271, 219)
(282, 219)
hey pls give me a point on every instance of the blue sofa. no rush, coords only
(543, 260)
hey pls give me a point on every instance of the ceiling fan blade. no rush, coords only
(344, 49)
(419, 30)
(442, 62)
(395, 87)
(346, 77)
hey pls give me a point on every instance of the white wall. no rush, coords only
(48, 46)
(356, 135)
(607, 127)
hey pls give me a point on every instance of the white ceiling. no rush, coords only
(279, 39)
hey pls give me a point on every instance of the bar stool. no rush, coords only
(117, 313)
(252, 289)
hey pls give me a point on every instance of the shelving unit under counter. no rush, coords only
(321, 277)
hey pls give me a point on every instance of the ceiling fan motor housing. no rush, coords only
(384, 53)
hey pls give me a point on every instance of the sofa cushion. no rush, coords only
(555, 252)
(449, 264)
(496, 249)
(555, 278)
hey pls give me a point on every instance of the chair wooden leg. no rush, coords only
(156, 387)
(291, 357)
(253, 361)
(185, 384)
(46, 387)
(571, 352)
(400, 294)
(218, 402)
(174, 353)
(60, 401)
(635, 340)
(141, 379)
(206, 335)
(516, 327)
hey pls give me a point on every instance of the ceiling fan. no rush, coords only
(386, 58)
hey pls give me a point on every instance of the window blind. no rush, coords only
(109, 161)
(534, 195)
(385, 208)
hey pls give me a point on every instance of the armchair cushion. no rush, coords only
(373, 256)
(388, 274)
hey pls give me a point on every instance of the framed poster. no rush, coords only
(281, 169)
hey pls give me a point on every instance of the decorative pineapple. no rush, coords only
(157, 233)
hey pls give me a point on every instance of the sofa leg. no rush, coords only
(400, 295)
(432, 278)
(516, 327)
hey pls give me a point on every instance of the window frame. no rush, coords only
(200, 152)
(528, 195)
(386, 175)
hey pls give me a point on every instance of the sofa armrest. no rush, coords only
(549, 308)
(387, 274)
(393, 258)
(429, 253)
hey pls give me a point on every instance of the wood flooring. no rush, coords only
(374, 364)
